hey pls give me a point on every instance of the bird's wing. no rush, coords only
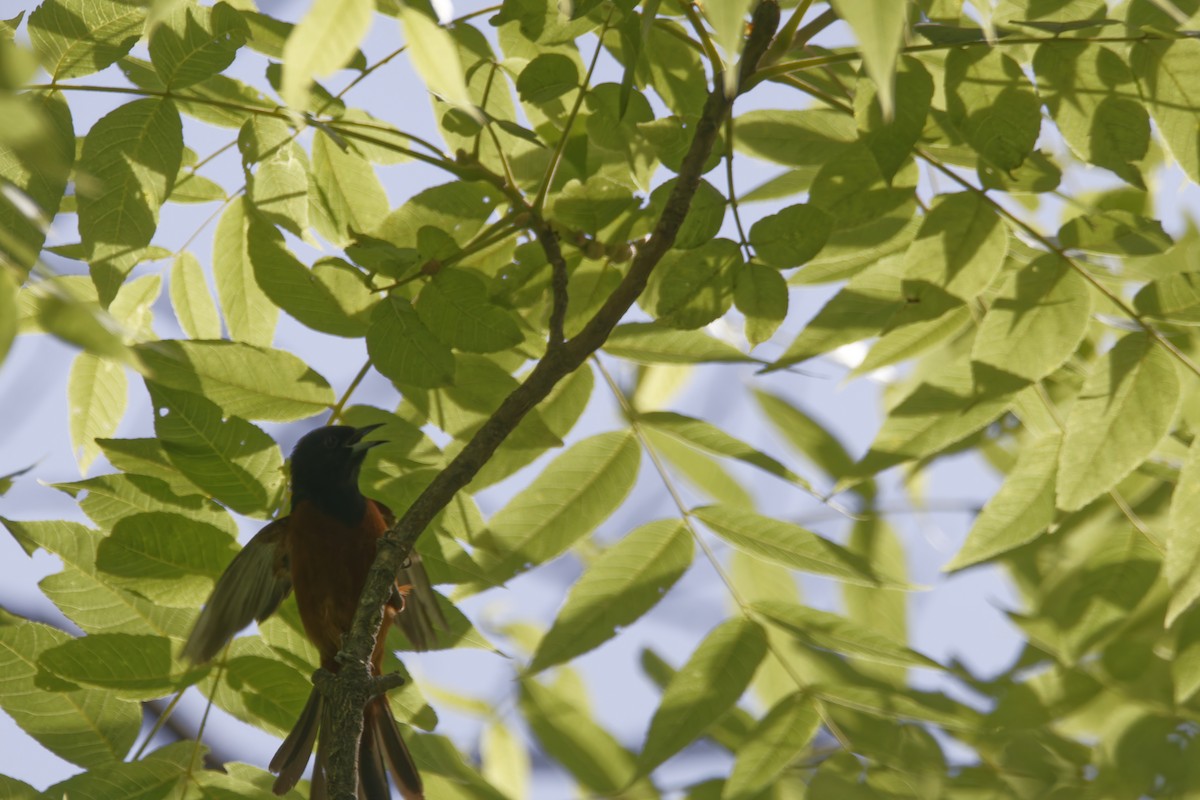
(251, 588)
(420, 616)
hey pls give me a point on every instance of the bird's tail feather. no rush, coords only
(381, 750)
(292, 756)
(383, 735)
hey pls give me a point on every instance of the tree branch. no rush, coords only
(354, 683)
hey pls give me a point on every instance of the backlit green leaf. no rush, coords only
(704, 688)
(1182, 561)
(249, 315)
(97, 393)
(347, 188)
(879, 27)
(574, 493)
(618, 588)
(1036, 321)
(1020, 511)
(1125, 408)
(133, 667)
(1166, 73)
(324, 41)
(251, 382)
(789, 545)
(192, 300)
(456, 308)
(992, 104)
(960, 245)
(773, 744)
(195, 42)
(233, 461)
(761, 294)
(133, 154)
(791, 237)
(76, 38)
(87, 727)
(404, 350)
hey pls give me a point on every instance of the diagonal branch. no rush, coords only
(353, 683)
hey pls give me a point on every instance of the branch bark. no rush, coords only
(353, 684)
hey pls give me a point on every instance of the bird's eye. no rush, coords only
(329, 442)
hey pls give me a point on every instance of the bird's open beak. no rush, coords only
(358, 445)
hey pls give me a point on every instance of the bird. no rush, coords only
(322, 551)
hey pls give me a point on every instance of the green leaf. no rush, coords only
(191, 299)
(1125, 408)
(191, 187)
(707, 686)
(97, 391)
(1020, 511)
(455, 306)
(1117, 233)
(251, 382)
(960, 246)
(1090, 92)
(435, 57)
(333, 297)
(403, 349)
(572, 738)
(891, 137)
(87, 727)
(617, 589)
(1171, 298)
(651, 343)
(193, 42)
(778, 739)
(1166, 73)
(146, 457)
(460, 209)
(574, 493)
(953, 402)
(110, 498)
(709, 438)
(76, 38)
(40, 174)
(790, 545)
(132, 154)
(879, 26)
(992, 104)
(729, 32)
(691, 288)
(230, 459)
(132, 667)
(1036, 321)
(324, 41)
(167, 558)
(851, 189)
(546, 78)
(348, 191)
(761, 294)
(806, 434)
(8, 311)
(505, 761)
(863, 308)
(826, 631)
(278, 186)
(249, 315)
(791, 237)
(1182, 560)
(705, 214)
(809, 138)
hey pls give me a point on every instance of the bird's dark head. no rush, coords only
(325, 465)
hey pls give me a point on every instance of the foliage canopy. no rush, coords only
(984, 193)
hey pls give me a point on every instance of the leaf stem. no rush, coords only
(336, 413)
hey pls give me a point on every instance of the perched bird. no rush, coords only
(323, 550)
